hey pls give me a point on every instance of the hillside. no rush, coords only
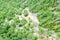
(29, 19)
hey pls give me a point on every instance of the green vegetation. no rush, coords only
(23, 21)
(58, 8)
(41, 31)
(47, 18)
(25, 13)
(19, 12)
(16, 21)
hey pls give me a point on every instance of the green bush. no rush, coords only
(58, 8)
(23, 21)
(16, 21)
(25, 13)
